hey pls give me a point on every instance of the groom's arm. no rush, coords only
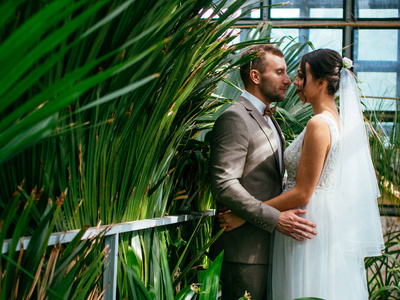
(289, 223)
(229, 146)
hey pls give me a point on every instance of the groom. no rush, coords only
(246, 169)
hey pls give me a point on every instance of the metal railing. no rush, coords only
(111, 233)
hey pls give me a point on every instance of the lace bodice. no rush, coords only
(293, 153)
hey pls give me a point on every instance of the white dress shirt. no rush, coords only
(261, 108)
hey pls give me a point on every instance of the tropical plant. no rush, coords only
(147, 258)
(100, 123)
(384, 271)
(63, 272)
(385, 151)
(106, 105)
(119, 110)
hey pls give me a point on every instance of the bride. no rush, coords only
(330, 173)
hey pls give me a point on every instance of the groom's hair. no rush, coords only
(259, 62)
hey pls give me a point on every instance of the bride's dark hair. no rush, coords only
(324, 64)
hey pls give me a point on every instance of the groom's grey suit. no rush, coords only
(245, 170)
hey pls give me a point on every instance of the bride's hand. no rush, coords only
(229, 221)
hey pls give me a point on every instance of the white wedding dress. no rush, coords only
(318, 267)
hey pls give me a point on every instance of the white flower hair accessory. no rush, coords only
(347, 63)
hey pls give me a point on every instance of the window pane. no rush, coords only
(255, 14)
(285, 13)
(377, 65)
(378, 84)
(327, 38)
(387, 128)
(209, 12)
(326, 13)
(308, 9)
(376, 44)
(377, 9)
(278, 33)
(239, 37)
(320, 38)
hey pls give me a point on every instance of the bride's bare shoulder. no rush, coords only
(318, 129)
(317, 122)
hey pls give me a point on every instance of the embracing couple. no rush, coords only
(271, 246)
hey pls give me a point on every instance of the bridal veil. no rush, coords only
(356, 210)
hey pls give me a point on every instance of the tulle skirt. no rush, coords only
(319, 267)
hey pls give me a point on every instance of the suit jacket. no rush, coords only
(244, 172)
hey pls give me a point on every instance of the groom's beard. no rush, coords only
(271, 92)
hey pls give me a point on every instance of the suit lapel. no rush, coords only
(262, 122)
(283, 144)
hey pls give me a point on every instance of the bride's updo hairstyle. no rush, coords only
(324, 64)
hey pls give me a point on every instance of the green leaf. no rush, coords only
(169, 293)
(210, 284)
(136, 286)
(4, 294)
(186, 293)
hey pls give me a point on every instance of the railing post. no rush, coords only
(110, 267)
(111, 242)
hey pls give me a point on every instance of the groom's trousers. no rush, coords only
(237, 278)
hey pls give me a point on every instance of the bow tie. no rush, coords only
(269, 111)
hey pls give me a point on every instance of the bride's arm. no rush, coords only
(315, 148)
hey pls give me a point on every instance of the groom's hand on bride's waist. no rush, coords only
(290, 224)
(229, 220)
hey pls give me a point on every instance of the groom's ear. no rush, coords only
(255, 76)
